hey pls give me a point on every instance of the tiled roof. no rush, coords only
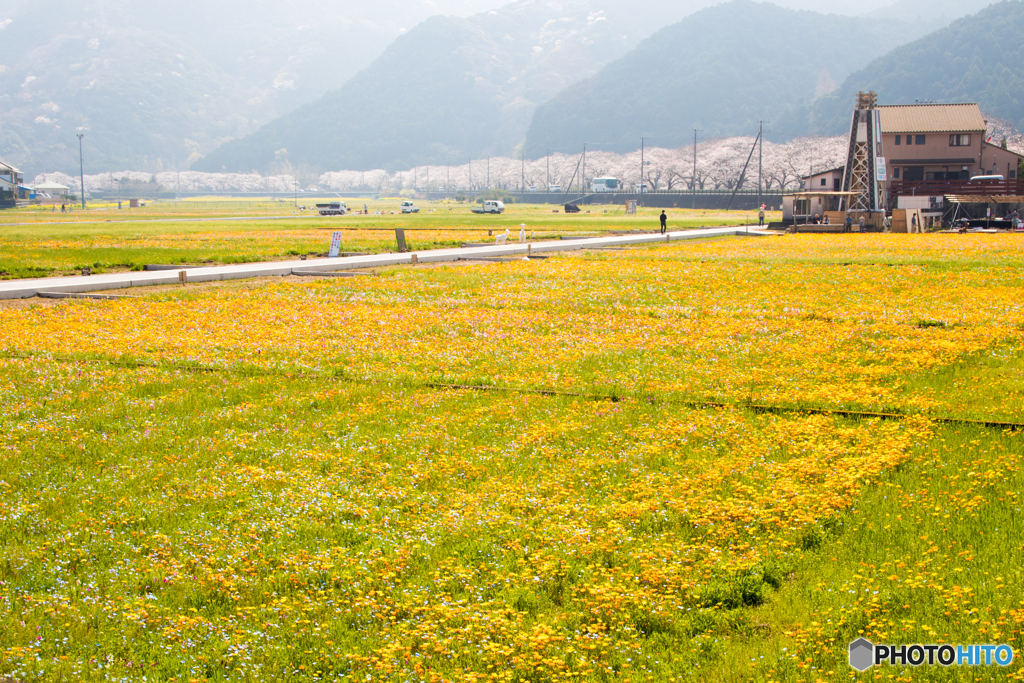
(931, 118)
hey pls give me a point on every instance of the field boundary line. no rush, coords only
(526, 391)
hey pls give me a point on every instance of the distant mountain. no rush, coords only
(720, 70)
(159, 84)
(933, 14)
(979, 58)
(450, 88)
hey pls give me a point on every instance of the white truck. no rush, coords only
(409, 207)
(332, 209)
(490, 206)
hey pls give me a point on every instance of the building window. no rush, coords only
(959, 140)
(824, 182)
(898, 138)
(920, 140)
(896, 173)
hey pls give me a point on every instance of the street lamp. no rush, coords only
(81, 167)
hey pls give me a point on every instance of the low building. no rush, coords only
(11, 179)
(819, 197)
(824, 181)
(53, 190)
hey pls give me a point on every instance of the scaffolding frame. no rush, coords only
(865, 161)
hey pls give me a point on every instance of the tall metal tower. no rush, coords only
(865, 161)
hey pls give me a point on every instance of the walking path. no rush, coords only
(22, 289)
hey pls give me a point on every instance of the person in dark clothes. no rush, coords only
(664, 222)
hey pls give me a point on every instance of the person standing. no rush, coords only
(913, 223)
(848, 227)
(664, 222)
(861, 222)
(760, 217)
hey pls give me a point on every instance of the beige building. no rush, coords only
(936, 142)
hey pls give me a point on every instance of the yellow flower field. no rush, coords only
(617, 465)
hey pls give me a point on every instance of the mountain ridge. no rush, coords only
(745, 62)
(446, 90)
(975, 59)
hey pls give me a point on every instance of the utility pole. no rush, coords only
(760, 159)
(695, 131)
(641, 188)
(583, 176)
(488, 173)
(547, 170)
(522, 173)
(81, 167)
(470, 175)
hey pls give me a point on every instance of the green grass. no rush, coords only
(933, 554)
(986, 386)
(197, 234)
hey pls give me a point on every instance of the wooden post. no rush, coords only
(182, 276)
(400, 236)
(415, 258)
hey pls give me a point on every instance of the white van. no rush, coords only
(409, 207)
(554, 188)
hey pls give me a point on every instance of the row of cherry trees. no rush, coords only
(719, 166)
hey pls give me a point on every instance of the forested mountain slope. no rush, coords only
(450, 88)
(979, 58)
(721, 70)
(158, 84)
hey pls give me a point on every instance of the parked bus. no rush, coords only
(606, 185)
